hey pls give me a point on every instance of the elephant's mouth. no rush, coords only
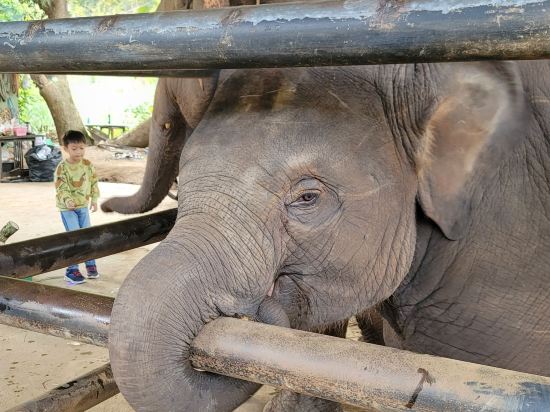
(289, 293)
(278, 282)
(271, 289)
(281, 285)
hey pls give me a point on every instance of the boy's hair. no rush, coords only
(73, 136)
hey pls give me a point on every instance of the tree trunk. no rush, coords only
(137, 137)
(55, 89)
(57, 94)
(171, 5)
(55, 9)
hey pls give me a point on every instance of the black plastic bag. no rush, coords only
(42, 161)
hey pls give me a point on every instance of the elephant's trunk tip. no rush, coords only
(271, 312)
(125, 205)
(105, 206)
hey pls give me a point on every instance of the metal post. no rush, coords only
(361, 374)
(7, 230)
(343, 32)
(45, 254)
(55, 311)
(77, 395)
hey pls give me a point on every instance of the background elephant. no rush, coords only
(317, 193)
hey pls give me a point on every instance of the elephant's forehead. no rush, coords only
(294, 140)
(301, 133)
(325, 89)
(275, 154)
(296, 121)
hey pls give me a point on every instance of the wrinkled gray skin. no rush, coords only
(423, 189)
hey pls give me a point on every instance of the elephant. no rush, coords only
(310, 195)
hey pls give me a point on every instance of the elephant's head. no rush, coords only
(305, 185)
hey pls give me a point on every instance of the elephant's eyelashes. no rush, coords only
(310, 201)
(307, 199)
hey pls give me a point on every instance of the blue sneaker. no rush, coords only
(74, 277)
(92, 272)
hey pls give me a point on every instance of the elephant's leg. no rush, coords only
(371, 324)
(287, 401)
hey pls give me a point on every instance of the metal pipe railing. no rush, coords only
(346, 371)
(141, 73)
(62, 312)
(78, 395)
(343, 32)
(361, 374)
(36, 256)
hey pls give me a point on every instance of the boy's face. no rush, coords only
(75, 151)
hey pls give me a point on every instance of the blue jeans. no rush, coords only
(74, 220)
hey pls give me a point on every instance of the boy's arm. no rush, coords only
(62, 189)
(94, 185)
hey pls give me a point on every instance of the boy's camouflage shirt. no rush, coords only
(76, 182)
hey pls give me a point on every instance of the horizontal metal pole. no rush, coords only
(66, 313)
(139, 73)
(342, 370)
(77, 395)
(48, 253)
(361, 374)
(345, 32)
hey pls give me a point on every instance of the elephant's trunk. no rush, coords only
(167, 137)
(185, 282)
(179, 106)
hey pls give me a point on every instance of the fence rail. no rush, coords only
(32, 257)
(344, 32)
(62, 312)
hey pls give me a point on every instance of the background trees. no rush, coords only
(58, 108)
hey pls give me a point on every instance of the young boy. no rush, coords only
(76, 188)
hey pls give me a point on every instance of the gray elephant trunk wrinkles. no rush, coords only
(193, 278)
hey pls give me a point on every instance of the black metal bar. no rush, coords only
(361, 374)
(45, 254)
(55, 311)
(140, 73)
(77, 395)
(344, 32)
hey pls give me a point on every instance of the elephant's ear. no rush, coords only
(473, 127)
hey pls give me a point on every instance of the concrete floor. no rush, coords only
(31, 363)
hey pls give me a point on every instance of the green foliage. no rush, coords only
(83, 8)
(137, 114)
(14, 10)
(32, 107)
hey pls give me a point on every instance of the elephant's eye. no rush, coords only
(306, 199)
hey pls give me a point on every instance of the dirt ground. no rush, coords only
(111, 169)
